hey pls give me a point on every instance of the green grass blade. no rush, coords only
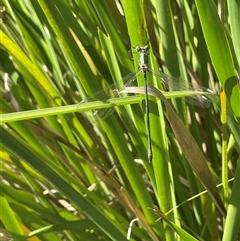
(219, 51)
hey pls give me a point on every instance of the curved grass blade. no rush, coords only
(195, 94)
(113, 91)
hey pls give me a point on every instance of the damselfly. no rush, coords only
(199, 96)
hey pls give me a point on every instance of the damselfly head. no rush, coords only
(142, 49)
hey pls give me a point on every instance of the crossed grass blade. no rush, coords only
(194, 94)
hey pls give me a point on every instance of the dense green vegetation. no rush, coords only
(68, 174)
